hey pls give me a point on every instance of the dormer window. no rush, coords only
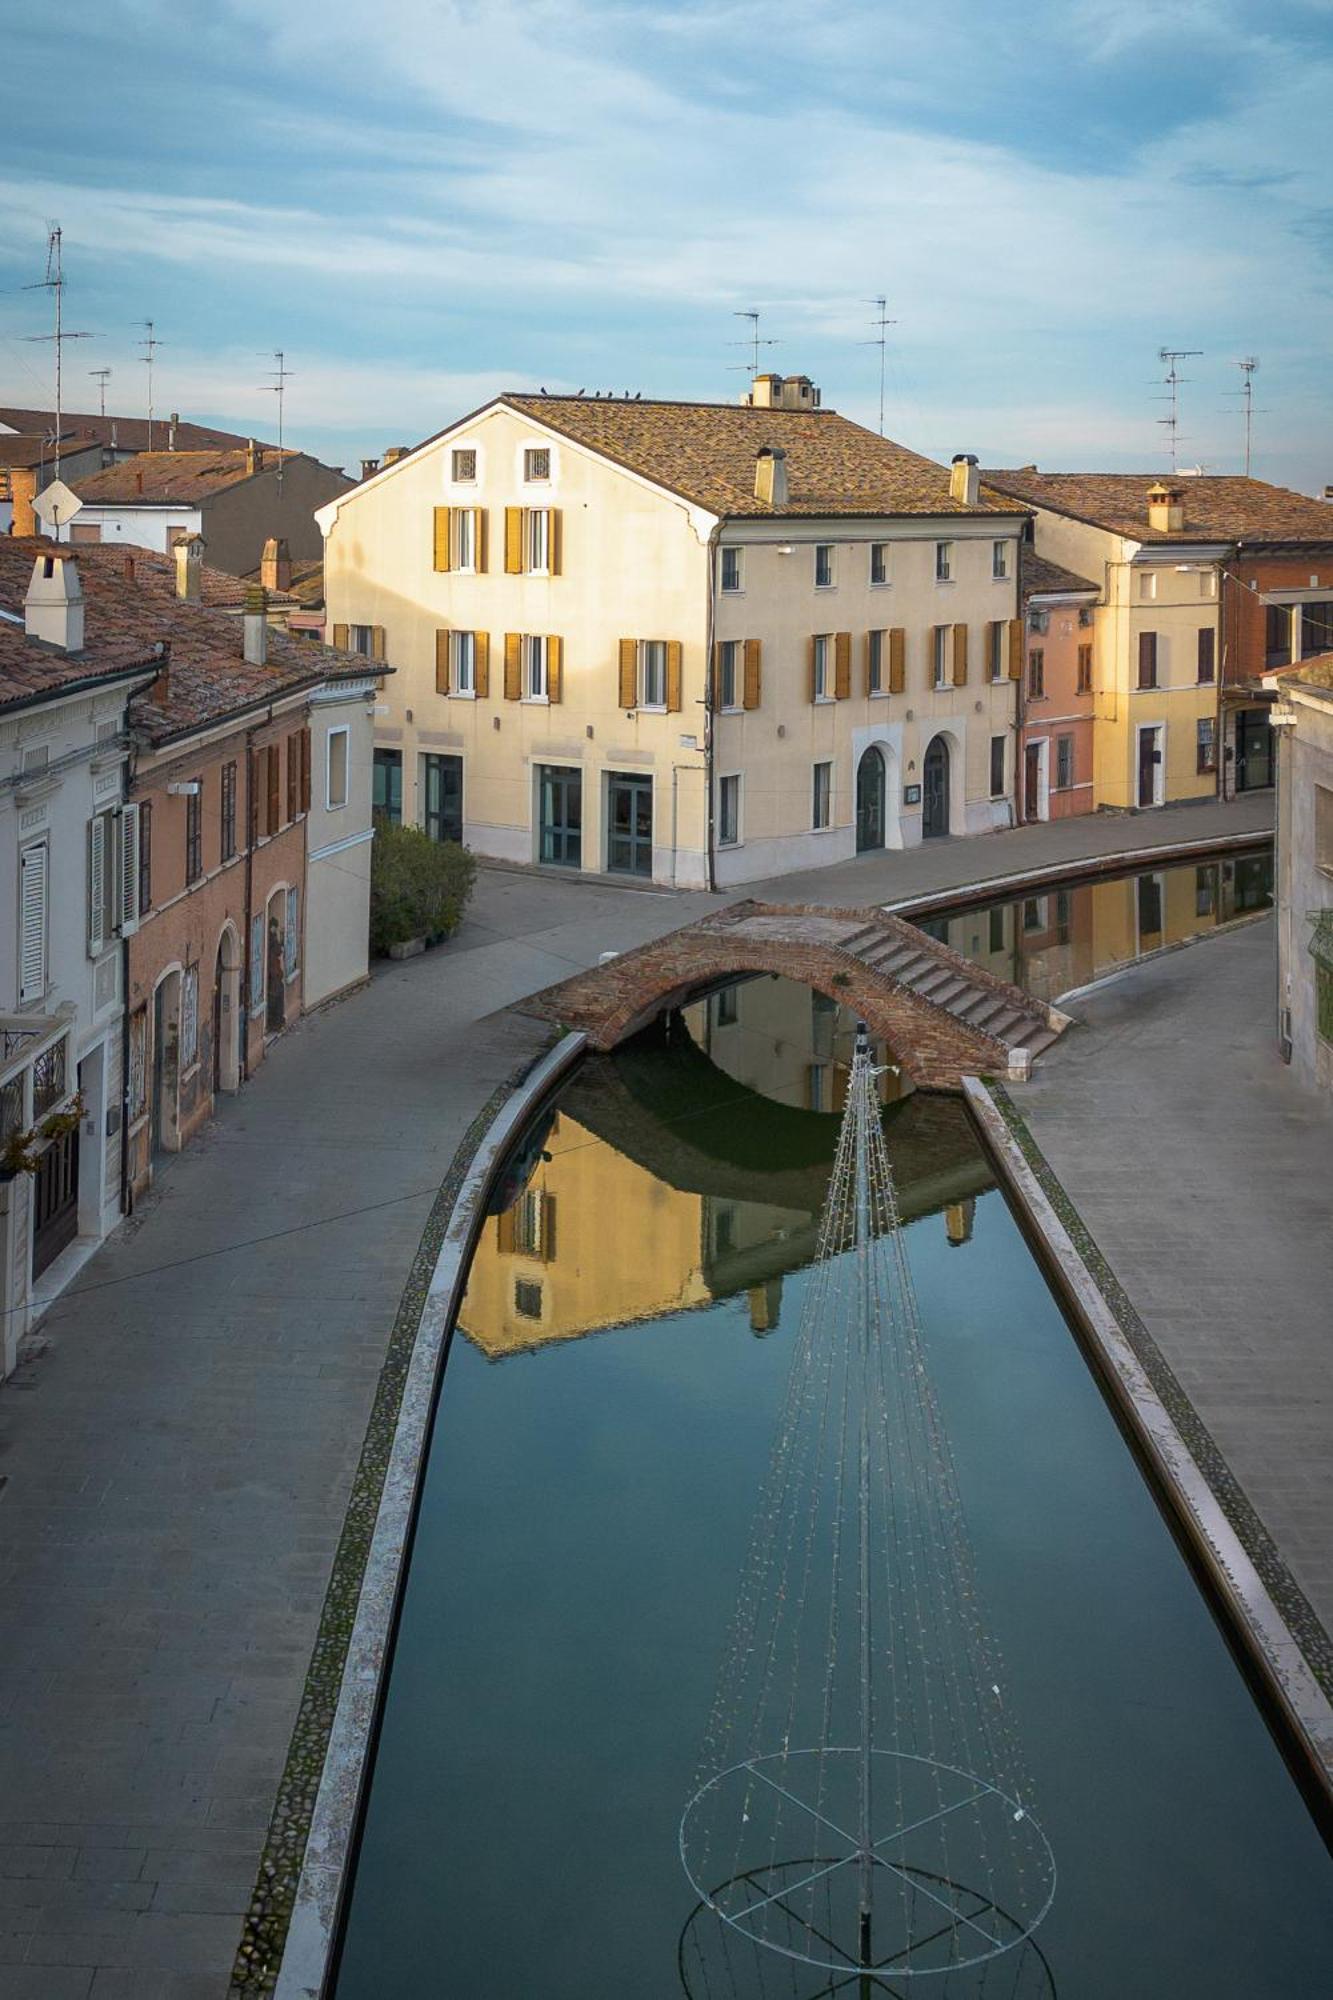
(537, 462)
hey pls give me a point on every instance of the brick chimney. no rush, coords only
(770, 475)
(53, 607)
(255, 626)
(369, 467)
(1166, 507)
(254, 457)
(189, 559)
(275, 565)
(965, 479)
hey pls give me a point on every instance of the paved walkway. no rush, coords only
(177, 1447)
(1203, 1171)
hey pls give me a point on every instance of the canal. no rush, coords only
(602, 1433)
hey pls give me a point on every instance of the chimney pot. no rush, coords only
(393, 453)
(369, 467)
(275, 565)
(770, 475)
(1166, 507)
(189, 558)
(254, 456)
(53, 606)
(965, 479)
(255, 626)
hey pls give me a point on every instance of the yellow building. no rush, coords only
(1157, 646)
(700, 643)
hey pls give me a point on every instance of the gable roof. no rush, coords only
(1037, 577)
(1220, 507)
(128, 617)
(126, 433)
(155, 574)
(31, 449)
(173, 478)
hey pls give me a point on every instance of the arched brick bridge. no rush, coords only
(943, 1017)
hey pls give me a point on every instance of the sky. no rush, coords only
(423, 202)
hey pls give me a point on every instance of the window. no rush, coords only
(1206, 730)
(463, 663)
(728, 681)
(194, 833)
(1147, 659)
(228, 820)
(538, 552)
(1207, 653)
(293, 775)
(534, 1224)
(1034, 913)
(727, 1007)
(822, 801)
(528, 1298)
(995, 927)
(387, 792)
(1039, 621)
(335, 770)
(999, 561)
(361, 639)
(1277, 635)
(822, 668)
(536, 661)
(1323, 828)
(997, 649)
(874, 663)
(1064, 763)
(32, 920)
(537, 462)
(879, 562)
(1037, 674)
(997, 767)
(113, 876)
(1205, 890)
(1084, 670)
(1085, 616)
(823, 565)
(189, 1050)
(1208, 583)
(944, 562)
(939, 641)
(731, 569)
(652, 673)
(138, 1063)
(729, 811)
(464, 465)
(1147, 585)
(464, 526)
(1316, 629)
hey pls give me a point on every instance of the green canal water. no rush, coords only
(604, 1423)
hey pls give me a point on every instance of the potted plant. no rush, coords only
(18, 1155)
(66, 1120)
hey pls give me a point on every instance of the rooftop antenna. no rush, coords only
(277, 386)
(1247, 368)
(101, 376)
(752, 341)
(54, 282)
(150, 346)
(1174, 379)
(881, 322)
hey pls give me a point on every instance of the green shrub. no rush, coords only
(419, 887)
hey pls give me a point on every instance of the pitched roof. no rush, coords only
(208, 678)
(31, 673)
(39, 449)
(127, 433)
(1038, 577)
(706, 452)
(156, 576)
(172, 478)
(1221, 507)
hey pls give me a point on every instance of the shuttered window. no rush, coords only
(146, 856)
(194, 834)
(272, 788)
(228, 817)
(1036, 674)
(33, 869)
(897, 660)
(129, 868)
(1084, 670)
(960, 656)
(753, 691)
(1147, 659)
(875, 663)
(1207, 653)
(293, 774)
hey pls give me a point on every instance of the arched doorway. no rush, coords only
(226, 1014)
(935, 790)
(870, 799)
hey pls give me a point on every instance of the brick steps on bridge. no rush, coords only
(1008, 1015)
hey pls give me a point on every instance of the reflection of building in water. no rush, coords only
(786, 1041)
(664, 1183)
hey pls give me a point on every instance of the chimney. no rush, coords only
(53, 607)
(275, 565)
(770, 475)
(189, 558)
(369, 467)
(255, 623)
(964, 479)
(782, 392)
(128, 567)
(392, 454)
(172, 422)
(1166, 507)
(138, 482)
(23, 491)
(254, 457)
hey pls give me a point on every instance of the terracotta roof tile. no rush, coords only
(1218, 507)
(706, 453)
(1036, 575)
(167, 478)
(156, 576)
(129, 433)
(38, 449)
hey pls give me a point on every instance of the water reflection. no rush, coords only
(1060, 939)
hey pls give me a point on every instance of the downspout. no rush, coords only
(714, 535)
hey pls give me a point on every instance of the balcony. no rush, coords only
(35, 1075)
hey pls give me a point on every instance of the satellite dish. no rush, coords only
(56, 504)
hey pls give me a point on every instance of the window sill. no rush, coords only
(944, 582)
(824, 701)
(878, 694)
(728, 708)
(462, 694)
(336, 806)
(650, 708)
(535, 701)
(1002, 579)
(823, 829)
(881, 583)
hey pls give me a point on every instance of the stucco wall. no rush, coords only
(338, 850)
(1305, 761)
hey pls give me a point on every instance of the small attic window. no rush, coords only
(536, 463)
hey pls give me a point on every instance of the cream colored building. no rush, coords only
(691, 642)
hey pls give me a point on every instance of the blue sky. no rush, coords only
(428, 200)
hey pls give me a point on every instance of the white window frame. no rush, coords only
(113, 876)
(829, 582)
(825, 666)
(332, 804)
(361, 641)
(652, 658)
(944, 562)
(822, 765)
(734, 779)
(999, 562)
(463, 555)
(876, 660)
(879, 582)
(997, 666)
(536, 668)
(730, 668)
(531, 452)
(1147, 586)
(734, 557)
(458, 478)
(941, 665)
(35, 894)
(537, 540)
(463, 665)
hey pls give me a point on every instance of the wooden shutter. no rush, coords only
(32, 921)
(897, 660)
(1207, 652)
(553, 541)
(629, 673)
(548, 1228)
(555, 652)
(506, 1231)
(814, 676)
(441, 659)
(1147, 659)
(870, 664)
(305, 769)
(513, 541)
(1016, 644)
(513, 666)
(293, 775)
(673, 656)
(481, 669)
(842, 665)
(273, 788)
(98, 862)
(377, 642)
(443, 541)
(340, 637)
(252, 797)
(129, 870)
(960, 656)
(480, 540)
(753, 673)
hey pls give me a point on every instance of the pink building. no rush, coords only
(1056, 692)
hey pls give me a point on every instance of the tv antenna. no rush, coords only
(752, 341)
(881, 322)
(150, 345)
(1247, 368)
(54, 282)
(1174, 379)
(277, 386)
(101, 376)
